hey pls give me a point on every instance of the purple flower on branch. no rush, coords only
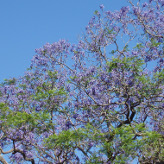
(101, 6)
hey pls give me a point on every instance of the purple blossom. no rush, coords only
(136, 10)
(75, 116)
(130, 83)
(90, 144)
(124, 10)
(147, 58)
(161, 60)
(68, 124)
(145, 4)
(101, 6)
(93, 91)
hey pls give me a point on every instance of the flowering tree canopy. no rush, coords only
(98, 101)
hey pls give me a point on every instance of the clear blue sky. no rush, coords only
(28, 24)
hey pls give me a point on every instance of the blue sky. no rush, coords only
(27, 25)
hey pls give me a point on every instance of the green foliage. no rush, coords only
(9, 81)
(154, 42)
(15, 119)
(109, 31)
(53, 75)
(94, 159)
(139, 46)
(112, 52)
(66, 138)
(126, 48)
(159, 77)
(127, 145)
(44, 94)
(96, 12)
(127, 63)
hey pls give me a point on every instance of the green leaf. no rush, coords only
(96, 11)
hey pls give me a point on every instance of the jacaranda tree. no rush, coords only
(99, 101)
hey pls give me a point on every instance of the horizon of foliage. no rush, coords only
(99, 101)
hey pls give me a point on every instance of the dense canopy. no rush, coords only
(98, 101)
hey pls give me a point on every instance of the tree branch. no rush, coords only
(3, 160)
(24, 156)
